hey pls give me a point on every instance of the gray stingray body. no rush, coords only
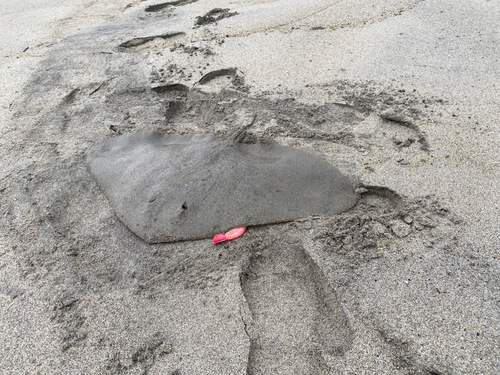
(179, 187)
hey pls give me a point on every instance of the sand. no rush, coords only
(402, 96)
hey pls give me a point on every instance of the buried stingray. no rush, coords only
(169, 188)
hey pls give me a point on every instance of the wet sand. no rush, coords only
(401, 96)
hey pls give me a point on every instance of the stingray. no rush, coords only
(168, 187)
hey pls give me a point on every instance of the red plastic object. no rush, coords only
(231, 235)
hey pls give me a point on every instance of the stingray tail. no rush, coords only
(238, 136)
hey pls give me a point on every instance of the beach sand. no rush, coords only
(402, 96)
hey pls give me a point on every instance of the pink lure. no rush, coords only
(231, 235)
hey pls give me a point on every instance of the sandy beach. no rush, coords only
(403, 97)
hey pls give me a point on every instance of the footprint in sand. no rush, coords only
(296, 316)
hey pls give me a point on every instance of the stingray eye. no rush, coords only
(184, 206)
